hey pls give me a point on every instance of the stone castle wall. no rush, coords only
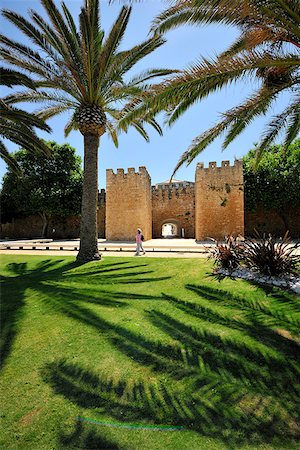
(270, 221)
(212, 207)
(128, 204)
(31, 227)
(101, 213)
(219, 200)
(177, 206)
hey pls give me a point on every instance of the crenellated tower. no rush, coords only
(128, 204)
(219, 200)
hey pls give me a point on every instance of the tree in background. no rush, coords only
(16, 125)
(80, 69)
(275, 183)
(49, 186)
(266, 51)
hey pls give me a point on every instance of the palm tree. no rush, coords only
(81, 70)
(17, 125)
(267, 50)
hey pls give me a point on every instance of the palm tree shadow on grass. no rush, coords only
(50, 278)
(84, 436)
(274, 310)
(242, 390)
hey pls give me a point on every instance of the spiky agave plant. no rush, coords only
(267, 50)
(83, 71)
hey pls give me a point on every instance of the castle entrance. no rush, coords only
(169, 230)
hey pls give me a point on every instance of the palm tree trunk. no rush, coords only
(88, 250)
(44, 217)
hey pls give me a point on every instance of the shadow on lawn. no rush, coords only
(85, 437)
(50, 278)
(238, 382)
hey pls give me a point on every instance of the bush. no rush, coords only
(227, 255)
(271, 258)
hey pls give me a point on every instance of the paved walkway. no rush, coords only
(178, 248)
(186, 248)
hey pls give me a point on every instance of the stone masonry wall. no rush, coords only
(269, 221)
(31, 228)
(128, 204)
(219, 200)
(101, 213)
(176, 205)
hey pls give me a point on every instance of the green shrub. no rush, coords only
(269, 257)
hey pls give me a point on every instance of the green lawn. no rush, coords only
(95, 355)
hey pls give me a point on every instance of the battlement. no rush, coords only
(172, 192)
(101, 196)
(130, 174)
(238, 164)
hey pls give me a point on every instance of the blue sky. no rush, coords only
(184, 46)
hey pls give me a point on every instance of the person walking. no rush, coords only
(139, 243)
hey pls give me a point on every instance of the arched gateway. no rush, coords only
(213, 206)
(170, 229)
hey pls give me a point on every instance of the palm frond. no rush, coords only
(48, 113)
(31, 57)
(23, 136)
(39, 96)
(59, 26)
(113, 40)
(11, 114)
(149, 74)
(276, 125)
(140, 129)
(122, 62)
(70, 125)
(255, 106)
(155, 125)
(33, 33)
(293, 124)
(9, 159)
(11, 78)
(204, 78)
(201, 142)
(112, 131)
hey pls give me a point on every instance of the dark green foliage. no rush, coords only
(275, 182)
(269, 257)
(49, 186)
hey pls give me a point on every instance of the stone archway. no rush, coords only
(170, 229)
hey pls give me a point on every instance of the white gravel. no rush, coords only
(291, 282)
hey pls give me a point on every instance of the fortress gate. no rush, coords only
(212, 207)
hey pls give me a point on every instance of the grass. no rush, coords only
(136, 343)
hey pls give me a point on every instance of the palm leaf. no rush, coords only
(113, 40)
(17, 115)
(112, 131)
(48, 113)
(70, 125)
(9, 159)
(11, 78)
